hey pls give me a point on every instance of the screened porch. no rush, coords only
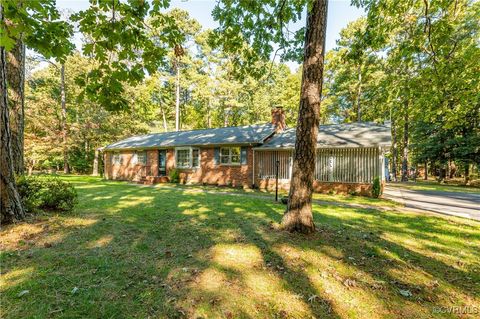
(347, 165)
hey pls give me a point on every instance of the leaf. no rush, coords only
(405, 293)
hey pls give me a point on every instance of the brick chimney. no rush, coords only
(278, 119)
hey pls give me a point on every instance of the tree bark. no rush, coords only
(177, 98)
(11, 208)
(164, 118)
(298, 216)
(467, 174)
(359, 93)
(394, 151)
(405, 146)
(95, 163)
(425, 176)
(66, 166)
(16, 87)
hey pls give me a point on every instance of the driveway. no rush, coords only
(450, 203)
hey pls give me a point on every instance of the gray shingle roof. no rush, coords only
(252, 134)
(363, 134)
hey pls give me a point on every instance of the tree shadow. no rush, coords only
(165, 252)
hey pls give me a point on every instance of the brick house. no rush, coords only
(349, 156)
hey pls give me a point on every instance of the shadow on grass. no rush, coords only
(173, 253)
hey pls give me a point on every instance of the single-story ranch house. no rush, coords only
(349, 156)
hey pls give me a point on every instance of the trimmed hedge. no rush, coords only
(49, 193)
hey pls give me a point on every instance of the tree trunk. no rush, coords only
(11, 208)
(177, 99)
(95, 163)
(425, 176)
(298, 216)
(359, 93)
(394, 152)
(16, 87)
(467, 174)
(405, 146)
(164, 118)
(66, 166)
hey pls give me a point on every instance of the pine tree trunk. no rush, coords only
(177, 99)
(394, 152)
(425, 176)
(11, 208)
(405, 146)
(359, 93)
(16, 87)
(164, 118)
(95, 163)
(467, 174)
(66, 166)
(298, 216)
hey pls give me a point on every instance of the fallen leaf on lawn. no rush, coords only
(312, 298)
(405, 293)
(350, 282)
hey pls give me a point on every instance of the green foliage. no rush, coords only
(249, 29)
(50, 193)
(123, 47)
(174, 176)
(38, 23)
(376, 187)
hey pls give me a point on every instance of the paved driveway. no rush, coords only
(450, 203)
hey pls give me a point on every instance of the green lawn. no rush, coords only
(163, 252)
(435, 186)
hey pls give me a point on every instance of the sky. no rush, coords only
(340, 13)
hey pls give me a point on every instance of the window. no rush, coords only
(139, 157)
(230, 155)
(187, 157)
(117, 158)
(195, 157)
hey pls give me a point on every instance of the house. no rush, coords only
(349, 156)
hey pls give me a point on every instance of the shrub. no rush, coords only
(48, 193)
(376, 188)
(174, 176)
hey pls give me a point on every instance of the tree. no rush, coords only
(34, 23)
(299, 213)
(260, 24)
(11, 206)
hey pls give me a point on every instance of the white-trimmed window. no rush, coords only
(230, 155)
(187, 157)
(139, 157)
(117, 158)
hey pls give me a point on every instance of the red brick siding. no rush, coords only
(127, 170)
(208, 172)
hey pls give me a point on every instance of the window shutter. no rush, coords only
(216, 158)
(243, 156)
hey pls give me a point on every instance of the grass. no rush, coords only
(430, 185)
(139, 252)
(324, 198)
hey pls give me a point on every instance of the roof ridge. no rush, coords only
(202, 129)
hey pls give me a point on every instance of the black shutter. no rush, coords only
(216, 158)
(243, 156)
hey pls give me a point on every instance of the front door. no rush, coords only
(162, 162)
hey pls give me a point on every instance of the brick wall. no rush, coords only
(207, 173)
(215, 174)
(127, 170)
